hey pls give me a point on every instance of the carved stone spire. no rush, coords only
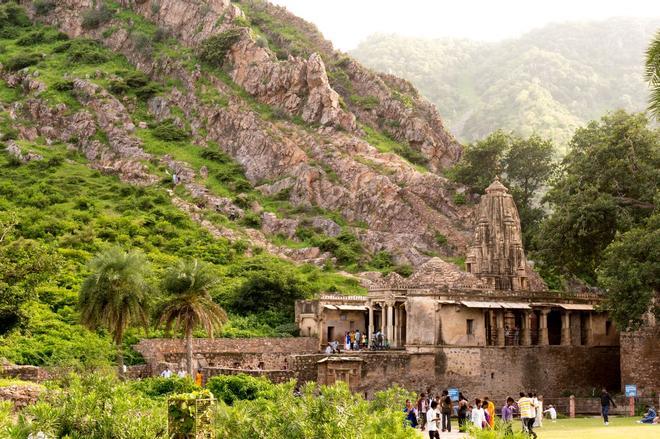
(497, 255)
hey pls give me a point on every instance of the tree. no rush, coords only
(523, 164)
(606, 185)
(653, 75)
(630, 273)
(189, 284)
(115, 295)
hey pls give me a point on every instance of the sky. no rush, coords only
(347, 22)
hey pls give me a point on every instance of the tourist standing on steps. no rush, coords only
(422, 408)
(605, 400)
(167, 373)
(357, 340)
(432, 421)
(538, 406)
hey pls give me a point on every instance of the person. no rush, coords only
(487, 416)
(462, 411)
(181, 373)
(432, 421)
(478, 418)
(364, 339)
(551, 412)
(422, 407)
(357, 340)
(335, 347)
(411, 414)
(507, 416)
(526, 414)
(347, 341)
(490, 408)
(649, 416)
(199, 378)
(351, 339)
(605, 400)
(328, 349)
(167, 373)
(446, 408)
(538, 406)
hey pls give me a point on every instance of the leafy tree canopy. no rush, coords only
(607, 184)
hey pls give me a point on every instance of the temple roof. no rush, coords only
(496, 186)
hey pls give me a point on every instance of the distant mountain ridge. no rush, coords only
(550, 80)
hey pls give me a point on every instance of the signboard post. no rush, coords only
(631, 394)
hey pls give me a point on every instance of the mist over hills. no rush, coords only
(550, 80)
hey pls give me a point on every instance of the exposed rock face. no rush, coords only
(15, 151)
(20, 395)
(497, 255)
(402, 209)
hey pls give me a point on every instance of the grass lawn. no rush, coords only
(592, 427)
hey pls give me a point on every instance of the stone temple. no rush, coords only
(493, 328)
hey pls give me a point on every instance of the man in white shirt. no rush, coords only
(167, 373)
(431, 421)
(181, 373)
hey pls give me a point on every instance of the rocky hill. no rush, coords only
(550, 80)
(341, 149)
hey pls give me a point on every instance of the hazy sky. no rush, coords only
(347, 22)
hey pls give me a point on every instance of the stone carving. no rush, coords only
(496, 255)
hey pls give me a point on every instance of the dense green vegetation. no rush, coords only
(652, 74)
(99, 406)
(549, 81)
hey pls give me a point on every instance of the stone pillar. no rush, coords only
(543, 328)
(590, 330)
(526, 330)
(566, 328)
(571, 406)
(390, 324)
(438, 325)
(499, 318)
(397, 325)
(382, 319)
(370, 334)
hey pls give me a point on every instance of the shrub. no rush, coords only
(216, 156)
(366, 102)
(43, 7)
(459, 199)
(158, 386)
(251, 219)
(32, 38)
(168, 131)
(65, 85)
(440, 239)
(241, 387)
(214, 49)
(84, 51)
(381, 260)
(22, 61)
(95, 17)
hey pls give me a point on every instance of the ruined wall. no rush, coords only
(640, 360)
(341, 322)
(494, 371)
(270, 353)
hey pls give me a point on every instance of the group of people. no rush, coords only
(167, 373)
(435, 413)
(354, 340)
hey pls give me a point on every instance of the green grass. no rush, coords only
(592, 427)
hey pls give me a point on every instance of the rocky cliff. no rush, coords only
(306, 123)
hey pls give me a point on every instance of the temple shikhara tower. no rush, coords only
(496, 255)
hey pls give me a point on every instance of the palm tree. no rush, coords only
(189, 284)
(115, 295)
(653, 75)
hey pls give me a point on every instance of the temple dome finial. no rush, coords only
(496, 186)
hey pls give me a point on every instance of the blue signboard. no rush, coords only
(453, 393)
(631, 390)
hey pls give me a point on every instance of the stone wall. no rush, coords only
(640, 360)
(494, 371)
(25, 373)
(264, 353)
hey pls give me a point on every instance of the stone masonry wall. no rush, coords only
(640, 360)
(479, 371)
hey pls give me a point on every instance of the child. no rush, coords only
(553, 413)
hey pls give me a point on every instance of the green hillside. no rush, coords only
(56, 212)
(548, 81)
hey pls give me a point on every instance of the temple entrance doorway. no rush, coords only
(554, 327)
